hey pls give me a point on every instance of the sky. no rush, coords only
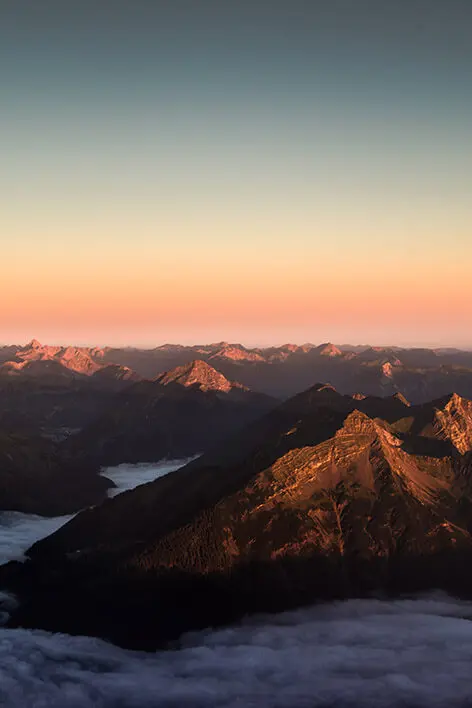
(261, 172)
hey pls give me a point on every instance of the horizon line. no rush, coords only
(150, 347)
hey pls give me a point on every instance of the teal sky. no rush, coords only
(236, 156)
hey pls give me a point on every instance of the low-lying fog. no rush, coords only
(128, 476)
(19, 531)
(362, 653)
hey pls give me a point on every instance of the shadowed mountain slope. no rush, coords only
(182, 413)
(34, 478)
(50, 399)
(326, 496)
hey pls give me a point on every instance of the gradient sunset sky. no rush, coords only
(251, 171)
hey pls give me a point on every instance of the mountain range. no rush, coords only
(326, 496)
(181, 413)
(57, 437)
(419, 374)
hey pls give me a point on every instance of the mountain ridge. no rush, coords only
(325, 496)
(179, 414)
(201, 374)
(417, 373)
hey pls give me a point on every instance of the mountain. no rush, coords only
(49, 371)
(7, 352)
(448, 419)
(201, 375)
(327, 349)
(419, 374)
(35, 479)
(235, 352)
(182, 413)
(115, 374)
(48, 398)
(327, 496)
(79, 359)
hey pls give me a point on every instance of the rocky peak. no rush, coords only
(328, 349)
(453, 421)
(236, 352)
(387, 370)
(400, 397)
(358, 422)
(326, 387)
(78, 359)
(456, 402)
(197, 373)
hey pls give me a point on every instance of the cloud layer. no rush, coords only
(19, 531)
(127, 476)
(384, 654)
(412, 653)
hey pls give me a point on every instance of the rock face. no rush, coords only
(328, 349)
(235, 352)
(453, 422)
(326, 496)
(448, 419)
(198, 374)
(79, 359)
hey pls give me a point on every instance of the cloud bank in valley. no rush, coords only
(127, 476)
(415, 653)
(19, 531)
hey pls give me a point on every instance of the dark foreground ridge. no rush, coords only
(327, 496)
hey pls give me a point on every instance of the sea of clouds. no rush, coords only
(362, 653)
(126, 476)
(19, 531)
(409, 653)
